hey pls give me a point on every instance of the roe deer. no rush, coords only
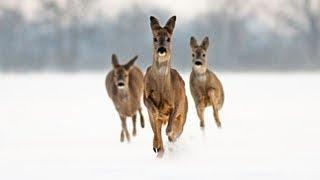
(164, 91)
(125, 87)
(206, 88)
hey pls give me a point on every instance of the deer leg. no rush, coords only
(122, 136)
(141, 118)
(151, 119)
(122, 131)
(172, 116)
(157, 139)
(155, 124)
(200, 111)
(177, 120)
(149, 104)
(124, 128)
(177, 128)
(214, 104)
(134, 121)
(152, 110)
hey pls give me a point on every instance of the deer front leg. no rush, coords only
(152, 111)
(122, 136)
(157, 139)
(155, 123)
(125, 132)
(214, 104)
(150, 105)
(200, 111)
(134, 121)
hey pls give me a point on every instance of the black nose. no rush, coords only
(198, 63)
(120, 84)
(162, 50)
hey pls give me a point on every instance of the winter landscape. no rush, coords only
(57, 122)
(63, 126)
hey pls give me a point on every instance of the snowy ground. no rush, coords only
(63, 127)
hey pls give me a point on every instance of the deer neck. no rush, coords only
(123, 95)
(161, 64)
(200, 73)
(161, 70)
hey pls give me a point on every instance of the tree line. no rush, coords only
(62, 39)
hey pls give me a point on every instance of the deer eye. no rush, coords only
(192, 55)
(155, 39)
(168, 39)
(203, 55)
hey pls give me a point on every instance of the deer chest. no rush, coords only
(163, 101)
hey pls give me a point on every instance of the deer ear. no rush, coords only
(205, 43)
(193, 42)
(170, 24)
(130, 63)
(154, 23)
(115, 62)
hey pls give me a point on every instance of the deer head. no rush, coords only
(199, 54)
(121, 72)
(162, 38)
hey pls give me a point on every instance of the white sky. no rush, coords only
(185, 8)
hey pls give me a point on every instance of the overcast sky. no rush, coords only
(185, 8)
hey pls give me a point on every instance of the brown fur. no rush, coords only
(164, 92)
(206, 88)
(127, 98)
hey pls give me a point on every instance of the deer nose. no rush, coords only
(121, 84)
(198, 63)
(162, 51)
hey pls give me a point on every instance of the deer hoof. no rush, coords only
(218, 124)
(160, 153)
(202, 125)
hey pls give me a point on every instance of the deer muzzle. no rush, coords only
(198, 62)
(162, 51)
(121, 84)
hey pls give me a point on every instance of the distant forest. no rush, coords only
(63, 39)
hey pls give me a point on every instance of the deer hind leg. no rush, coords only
(134, 121)
(200, 111)
(125, 129)
(141, 118)
(214, 103)
(157, 139)
(178, 121)
(177, 127)
(171, 118)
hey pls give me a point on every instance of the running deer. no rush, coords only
(206, 88)
(124, 85)
(164, 91)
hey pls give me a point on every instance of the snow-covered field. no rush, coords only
(63, 127)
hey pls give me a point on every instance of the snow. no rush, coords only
(63, 126)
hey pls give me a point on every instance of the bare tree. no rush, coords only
(305, 21)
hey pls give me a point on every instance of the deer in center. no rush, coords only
(164, 89)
